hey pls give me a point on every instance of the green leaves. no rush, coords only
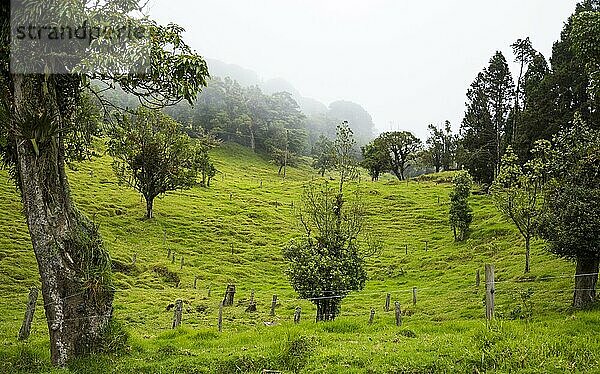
(152, 155)
(586, 44)
(460, 213)
(329, 259)
(345, 154)
(400, 148)
(571, 217)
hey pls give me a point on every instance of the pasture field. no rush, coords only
(233, 233)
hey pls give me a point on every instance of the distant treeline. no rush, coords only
(269, 124)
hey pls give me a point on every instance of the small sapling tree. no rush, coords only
(461, 214)
(345, 154)
(517, 191)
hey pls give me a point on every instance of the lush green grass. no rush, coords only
(444, 332)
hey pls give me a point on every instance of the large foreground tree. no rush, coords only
(36, 124)
(571, 219)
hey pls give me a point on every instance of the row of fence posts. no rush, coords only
(228, 300)
(490, 289)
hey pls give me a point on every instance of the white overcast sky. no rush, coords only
(407, 62)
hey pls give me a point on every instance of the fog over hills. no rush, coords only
(344, 110)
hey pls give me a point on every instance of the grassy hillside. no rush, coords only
(444, 332)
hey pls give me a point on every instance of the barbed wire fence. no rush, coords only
(490, 295)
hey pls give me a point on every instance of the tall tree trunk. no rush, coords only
(73, 266)
(527, 254)
(586, 277)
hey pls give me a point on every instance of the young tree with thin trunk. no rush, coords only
(461, 214)
(517, 192)
(152, 155)
(37, 120)
(570, 221)
(345, 154)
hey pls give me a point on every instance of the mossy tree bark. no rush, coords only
(73, 266)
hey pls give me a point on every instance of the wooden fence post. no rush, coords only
(195, 280)
(232, 249)
(29, 312)
(181, 265)
(398, 314)
(273, 305)
(406, 249)
(490, 290)
(134, 259)
(169, 253)
(426, 246)
(177, 313)
(229, 294)
(220, 321)
(414, 295)
(297, 314)
(371, 316)
(173, 259)
(252, 306)
(387, 302)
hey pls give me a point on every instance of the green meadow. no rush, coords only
(233, 233)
